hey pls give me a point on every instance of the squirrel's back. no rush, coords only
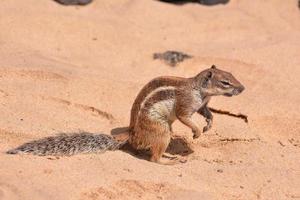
(65, 144)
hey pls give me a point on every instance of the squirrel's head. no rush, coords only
(214, 81)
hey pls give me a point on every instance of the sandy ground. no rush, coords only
(57, 62)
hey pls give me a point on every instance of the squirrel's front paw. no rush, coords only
(196, 134)
(206, 128)
(209, 123)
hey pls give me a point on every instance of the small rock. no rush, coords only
(213, 2)
(220, 170)
(74, 2)
(203, 2)
(171, 57)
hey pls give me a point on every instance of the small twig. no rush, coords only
(281, 143)
(223, 112)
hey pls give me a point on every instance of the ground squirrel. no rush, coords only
(156, 107)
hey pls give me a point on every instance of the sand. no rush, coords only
(62, 67)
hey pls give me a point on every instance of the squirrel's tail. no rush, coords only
(69, 145)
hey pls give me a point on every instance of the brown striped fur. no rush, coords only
(152, 85)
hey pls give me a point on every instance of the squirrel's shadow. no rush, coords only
(178, 146)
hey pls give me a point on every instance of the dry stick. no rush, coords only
(223, 112)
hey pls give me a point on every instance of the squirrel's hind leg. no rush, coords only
(159, 147)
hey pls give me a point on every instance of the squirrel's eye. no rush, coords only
(226, 83)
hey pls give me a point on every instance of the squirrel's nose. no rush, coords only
(241, 89)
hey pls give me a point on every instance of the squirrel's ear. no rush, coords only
(213, 67)
(209, 75)
(206, 79)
